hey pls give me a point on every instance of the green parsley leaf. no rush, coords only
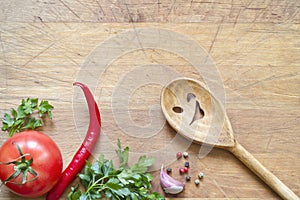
(32, 123)
(22, 119)
(143, 164)
(125, 183)
(8, 120)
(29, 105)
(123, 155)
(75, 193)
(20, 114)
(14, 113)
(45, 107)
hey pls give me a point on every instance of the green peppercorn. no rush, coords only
(200, 175)
(185, 154)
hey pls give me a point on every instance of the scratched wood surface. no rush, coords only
(45, 45)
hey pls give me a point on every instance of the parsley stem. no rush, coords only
(95, 183)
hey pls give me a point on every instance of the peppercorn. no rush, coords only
(197, 181)
(200, 175)
(185, 169)
(181, 170)
(185, 154)
(187, 178)
(169, 170)
(187, 164)
(178, 155)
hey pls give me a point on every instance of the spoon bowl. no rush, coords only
(192, 110)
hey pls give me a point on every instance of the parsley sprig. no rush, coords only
(21, 118)
(102, 180)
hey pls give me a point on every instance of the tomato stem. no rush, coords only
(21, 168)
(11, 162)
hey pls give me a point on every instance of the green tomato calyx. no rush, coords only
(22, 167)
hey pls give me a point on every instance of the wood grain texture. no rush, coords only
(182, 11)
(255, 47)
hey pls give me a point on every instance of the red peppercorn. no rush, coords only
(178, 155)
(181, 170)
(185, 169)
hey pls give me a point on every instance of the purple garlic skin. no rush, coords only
(169, 184)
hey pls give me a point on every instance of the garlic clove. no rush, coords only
(173, 189)
(169, 184)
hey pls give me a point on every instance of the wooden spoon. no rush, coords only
(196, 114)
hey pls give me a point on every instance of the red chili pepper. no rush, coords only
(83, 153)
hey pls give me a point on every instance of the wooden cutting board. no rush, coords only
(257, 64)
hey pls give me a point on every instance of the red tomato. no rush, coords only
(47, 163)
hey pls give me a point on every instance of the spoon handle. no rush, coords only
(270, 179)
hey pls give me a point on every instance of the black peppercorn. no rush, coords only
(187, 164)
(187, 178)
(169, 170)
